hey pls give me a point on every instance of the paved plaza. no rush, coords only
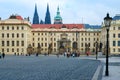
(47, 68)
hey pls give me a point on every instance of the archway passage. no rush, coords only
(64, 46)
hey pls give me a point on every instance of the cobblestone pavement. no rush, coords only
(46, 68)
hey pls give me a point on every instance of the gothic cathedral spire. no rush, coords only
(36, 17)
(47, 17)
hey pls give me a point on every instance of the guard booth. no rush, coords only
(29, 50)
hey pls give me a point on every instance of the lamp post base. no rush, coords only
(106, 73)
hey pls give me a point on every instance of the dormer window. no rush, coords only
(63, 26)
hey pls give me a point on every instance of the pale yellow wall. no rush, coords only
(113, 30)
(14, 27)
(42, 36)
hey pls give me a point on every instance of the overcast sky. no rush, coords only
(72, 11)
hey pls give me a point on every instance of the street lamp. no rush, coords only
(96, 48)
(107, 23)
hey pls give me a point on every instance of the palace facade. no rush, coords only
(18, 35)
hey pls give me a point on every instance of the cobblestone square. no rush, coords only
(47, 68)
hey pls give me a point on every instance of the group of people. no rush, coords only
(2, 55)
(73, 54)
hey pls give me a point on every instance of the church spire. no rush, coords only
(47, 17)
(58, 18)
(36, 17)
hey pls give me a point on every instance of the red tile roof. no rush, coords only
(57, 26)
(19, 18)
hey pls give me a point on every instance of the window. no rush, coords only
(12, 35)
(17, 35)
(33, 45)
(38, 39)
(89, 39)
(22, 35)
(118, 43)
(113, 35)
(118, 28)
(89, 34)
(17, 50)
(2, 27)
(73, 39)
(42, 39)
(114, 43)
(113, 28)
(22, 43)
(33, 33)
(94, 44)
(7, 49)
(7, 27)
(17, 43)
(81, 39)
(119, 35)
(89, 44)
(13, 44)
(42, 44)
(3, 50)
(54, 44)
(118, 49)
(3, 43)
(81, 44)
(22, 28)
(54, 39)
(7, 35)
(97, 34)
(45, 33)
(45, 39)
(2, 35)
(82, 34)
(12, 27)
(17, 28)
(33, 39)
(12, 49)
(8, 43)
(45, 44)
(113, 49)
(97, 39)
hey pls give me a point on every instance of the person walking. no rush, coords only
(3, 55)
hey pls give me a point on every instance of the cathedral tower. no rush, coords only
(35, 17)
(58, 18)
(47, 17)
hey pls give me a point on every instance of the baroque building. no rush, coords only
(18, 35)
(15, 35)
(114, 36)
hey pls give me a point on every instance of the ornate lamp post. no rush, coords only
(96, 49)
(107, 22)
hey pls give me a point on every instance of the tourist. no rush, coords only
(3, 55)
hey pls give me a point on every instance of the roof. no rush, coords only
(16, 17)
(57, 26)
(87, 26)
(19, 18)
(116, 17)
